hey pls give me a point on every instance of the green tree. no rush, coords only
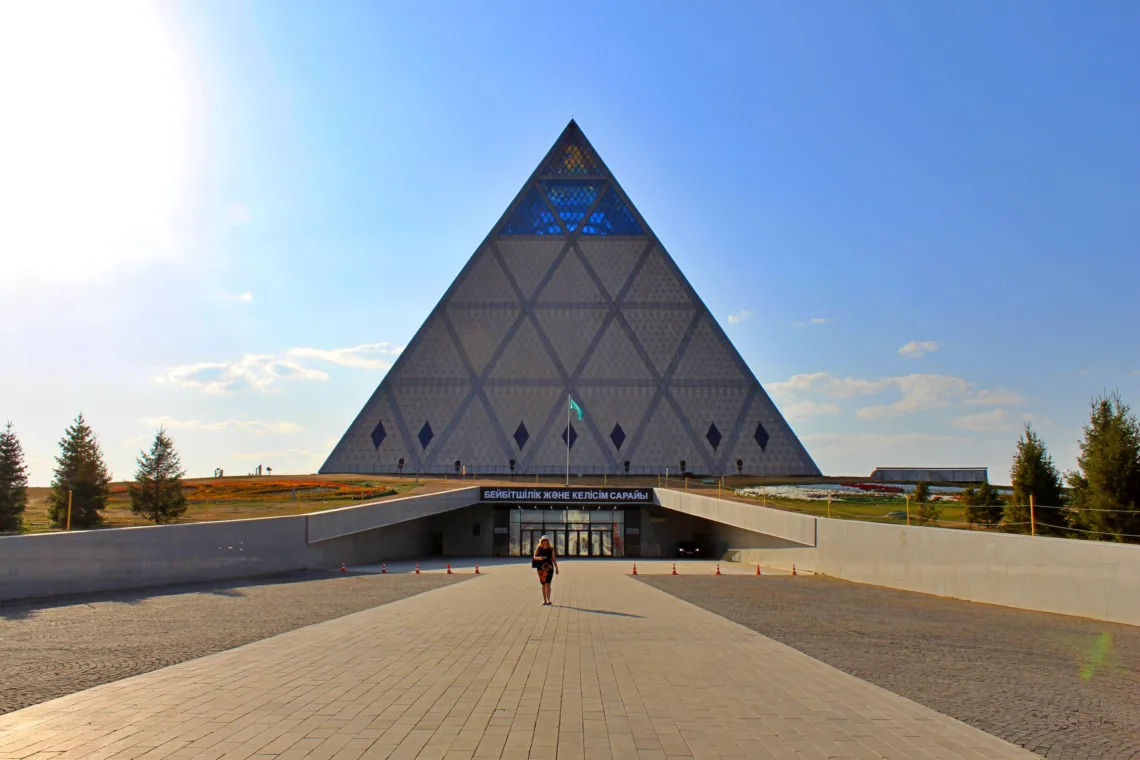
(1035, 476)
(984, 505)
(921, 493)
(157, 490)
(13, 482)
(80, 470)
(1106, 483)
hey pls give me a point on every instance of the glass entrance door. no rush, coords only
(575, 533)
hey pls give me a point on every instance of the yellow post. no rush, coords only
(908, 509)
(69, 510)
(829, 506)
(764, 495)
(1032, 517)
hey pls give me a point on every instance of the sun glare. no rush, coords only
(93, 137)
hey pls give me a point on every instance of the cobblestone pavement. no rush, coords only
(1062, 687)
(52, 648)
(615, 670)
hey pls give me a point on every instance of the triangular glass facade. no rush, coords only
(532, 217)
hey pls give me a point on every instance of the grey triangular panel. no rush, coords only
(624, 406)
(472, 442)
(432, 356)
(433, 405)
(529, 406)
(480, 331)
(570, 284)
(613, 260)
(585, 456)
(570, 332)
(707, 358)
(783, 454)
(711, 410)
(525, 358)
(660, 332)
(485, 281)
(615, 358)
(664, 443)
(656, 283)
(357, 452)
(529, 260)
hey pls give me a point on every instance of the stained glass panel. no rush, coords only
(571, 199)
(571, 159)
(611, 217)
(532, 217)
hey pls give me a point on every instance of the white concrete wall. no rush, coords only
(97, 560)
(1091, 579)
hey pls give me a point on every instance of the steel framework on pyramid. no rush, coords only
(571, 294)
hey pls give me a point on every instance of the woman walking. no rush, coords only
(547, 564)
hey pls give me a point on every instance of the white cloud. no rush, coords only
(801, 410)
(253, 372)
(375, 356)
(999, 397)
(243, 297)
(919, 393)
(828, 385)
(995, 419)
(738, 317)
(812, 321)
(255, 426)
(915, 349)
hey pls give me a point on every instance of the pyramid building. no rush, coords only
(570, 295)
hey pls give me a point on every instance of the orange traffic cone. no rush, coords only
(449, 568)
(383, 567)
(793, 569)
(757, 569)
(674, 568)
(635, 568)
(343, 569)
(417, 568)
(718, 568)
(477, 570)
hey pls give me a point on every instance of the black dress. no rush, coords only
(545, 563)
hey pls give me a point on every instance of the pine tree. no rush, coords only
(1106, 483)
(984, 505)
(157, 490)
(13, 482)
(921, 492)
(81, 470)
(1035, 476)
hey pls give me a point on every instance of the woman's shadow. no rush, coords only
(599, 612)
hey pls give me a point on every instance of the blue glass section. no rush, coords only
(571, 200)
(426, 435)
(521, 436)
(573, 435)
(617, 435)
(761, 436)
(532, 217)
(713, 436)
(611, 217)
(378, 434)
(571, 159)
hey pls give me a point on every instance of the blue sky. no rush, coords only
(919, 223)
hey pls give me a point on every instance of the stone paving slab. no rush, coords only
(616, 669)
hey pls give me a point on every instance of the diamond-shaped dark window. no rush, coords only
(617, 435)
(425, 435)
(532, 217)
(572, 159)
(571, 199)
(573, 435)
(378, 434)
(713, 436)
(611, 217)
(761, 436)
(521, 436)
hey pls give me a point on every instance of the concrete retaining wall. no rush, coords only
(1091, 579)
(97, 560)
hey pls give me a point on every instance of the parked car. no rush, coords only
(897, 515)
(688, 549)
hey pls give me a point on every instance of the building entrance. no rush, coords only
(574, 532)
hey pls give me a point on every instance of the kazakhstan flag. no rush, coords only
(574, 406)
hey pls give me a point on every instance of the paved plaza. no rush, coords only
(480, 669)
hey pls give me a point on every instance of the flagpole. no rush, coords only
(568, 439)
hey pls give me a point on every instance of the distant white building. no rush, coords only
(964, 475)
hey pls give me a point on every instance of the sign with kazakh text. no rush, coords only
(546, 495)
